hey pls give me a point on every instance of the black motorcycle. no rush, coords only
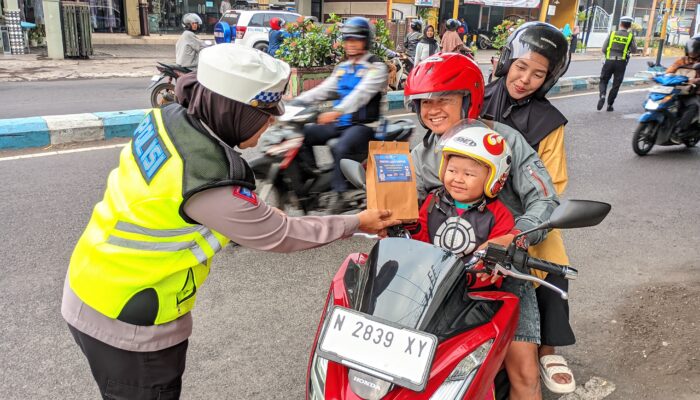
(285, 180)
(162, 86)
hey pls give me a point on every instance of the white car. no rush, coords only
(252, 27)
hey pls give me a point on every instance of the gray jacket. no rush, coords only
(187, 49)
(528, 192)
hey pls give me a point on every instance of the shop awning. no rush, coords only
(506, 3)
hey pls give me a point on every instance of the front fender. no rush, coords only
(650, 116)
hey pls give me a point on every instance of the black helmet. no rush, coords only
(416, 25)
(692, 47)
(452, 24)
(541, 38)
(358, 28)
(189, 19)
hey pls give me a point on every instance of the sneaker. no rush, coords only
(601, 101)
(610, 108)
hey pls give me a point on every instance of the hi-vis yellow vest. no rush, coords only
(139, 260)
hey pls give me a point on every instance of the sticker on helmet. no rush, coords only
(494, 143)
(456, 235)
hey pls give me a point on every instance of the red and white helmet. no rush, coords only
(445, 73)
(473, 139)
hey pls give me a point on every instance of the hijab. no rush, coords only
(533, 117)
(451, 42)
(232, 121)
(431, 42)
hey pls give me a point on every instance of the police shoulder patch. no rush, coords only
(245, 194)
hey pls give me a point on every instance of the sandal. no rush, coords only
(557, 365)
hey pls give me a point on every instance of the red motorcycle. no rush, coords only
(400, 324)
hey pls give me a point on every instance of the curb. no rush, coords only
(61, 129)
(21, 133)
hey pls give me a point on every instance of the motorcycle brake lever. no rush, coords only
(527, 277)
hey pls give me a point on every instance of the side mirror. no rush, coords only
(354, 172)
(578, 214)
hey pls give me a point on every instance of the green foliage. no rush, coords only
(424, 13)
(581, 16)
(504, 30)
(311, 45)
(382, 39)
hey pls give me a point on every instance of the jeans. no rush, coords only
(353, 142)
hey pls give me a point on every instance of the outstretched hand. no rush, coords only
(376, 221)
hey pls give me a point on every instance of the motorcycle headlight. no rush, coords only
(651, 105)
(456, 385)
(317, 383)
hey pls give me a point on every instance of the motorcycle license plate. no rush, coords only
(384, 350)
(156, 78)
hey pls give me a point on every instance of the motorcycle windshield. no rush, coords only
(405, 281)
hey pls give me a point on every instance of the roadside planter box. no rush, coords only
(307, 78)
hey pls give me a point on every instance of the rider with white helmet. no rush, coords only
(189, 45)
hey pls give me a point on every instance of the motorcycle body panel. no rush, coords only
(389, 281)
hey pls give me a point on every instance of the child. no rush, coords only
(464, 213)
(532, 61)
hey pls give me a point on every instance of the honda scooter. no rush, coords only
(399, 322)
(162, 85)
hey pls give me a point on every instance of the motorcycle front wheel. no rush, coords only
(644, 137)
(691, 142)
(162, 94)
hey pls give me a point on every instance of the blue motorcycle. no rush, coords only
(663, 110)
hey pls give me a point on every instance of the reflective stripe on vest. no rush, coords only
(136, 238)
(622, 40)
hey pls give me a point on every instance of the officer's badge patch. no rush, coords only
(148, 149)
(245, 194)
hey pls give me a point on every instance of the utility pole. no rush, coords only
(651, 26)
(589, 23)
(585, 22)
(662, 38)
(455, 9)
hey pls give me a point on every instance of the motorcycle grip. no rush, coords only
(552, 268)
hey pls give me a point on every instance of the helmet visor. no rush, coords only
(461, 125)
(542, 45)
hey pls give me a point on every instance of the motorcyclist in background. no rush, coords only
(691, 102)
(411, 42)
(357, 85)
(189, 45)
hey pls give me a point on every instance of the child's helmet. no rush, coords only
(276, 23)
(445, 73)
(541, 38)
(471, 138)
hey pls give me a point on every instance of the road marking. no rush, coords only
(595, 389)
(58, 152)
(54, 153)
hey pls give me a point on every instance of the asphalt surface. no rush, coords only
(257, 315)
(31, 99)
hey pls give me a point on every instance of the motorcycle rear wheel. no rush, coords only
(644, 137)
(691, 142)
(163, 94)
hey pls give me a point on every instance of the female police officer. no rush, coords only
(179, 194)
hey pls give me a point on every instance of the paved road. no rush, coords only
(257, 315)
(78, 96)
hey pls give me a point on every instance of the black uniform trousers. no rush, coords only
(615, 69)
(131, 375)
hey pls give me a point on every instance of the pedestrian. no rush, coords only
(224, 6)
(574, 39)
(181, 192)
(535, 56)
(463, 30)
(427, 45)
(616, 49)
(443, 92)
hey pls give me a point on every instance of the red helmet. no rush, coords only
(445, 73)
(276, 23)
